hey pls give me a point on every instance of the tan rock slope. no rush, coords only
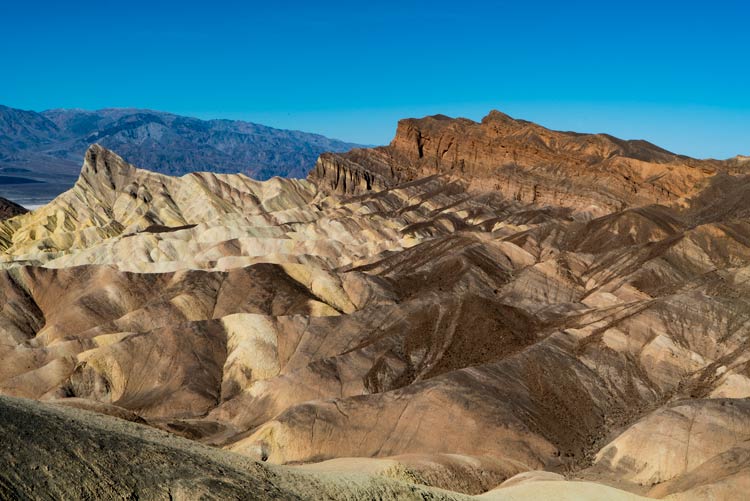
(411, 312)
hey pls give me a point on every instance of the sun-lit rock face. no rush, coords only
(594, 173)
(677, 438)
(438, 329)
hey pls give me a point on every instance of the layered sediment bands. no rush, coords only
(339, 174)
(112, 198)
(408, 315)
(524, 162)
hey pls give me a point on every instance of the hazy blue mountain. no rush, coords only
(41, 153)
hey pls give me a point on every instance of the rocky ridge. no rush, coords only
(523, 161)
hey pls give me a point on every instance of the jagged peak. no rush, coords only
(101, 164)
(97, 156)
(497, 116)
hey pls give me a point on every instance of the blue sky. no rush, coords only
(675, 73)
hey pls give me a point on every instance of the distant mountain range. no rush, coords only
(40, 153)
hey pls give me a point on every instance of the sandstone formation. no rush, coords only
(523, 161)
(494, 309)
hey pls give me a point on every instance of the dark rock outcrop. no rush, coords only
(10, 209)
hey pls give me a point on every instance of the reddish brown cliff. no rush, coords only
(523, 161)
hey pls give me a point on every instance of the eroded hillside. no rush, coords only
(471, 303)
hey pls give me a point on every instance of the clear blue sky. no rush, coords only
(676, 73)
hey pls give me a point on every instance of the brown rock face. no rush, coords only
(439, 328)
(524, 162)
(10, 209)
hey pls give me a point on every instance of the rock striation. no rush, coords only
(523, 161)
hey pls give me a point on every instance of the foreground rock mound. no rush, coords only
(50, 452)
(417, 324)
